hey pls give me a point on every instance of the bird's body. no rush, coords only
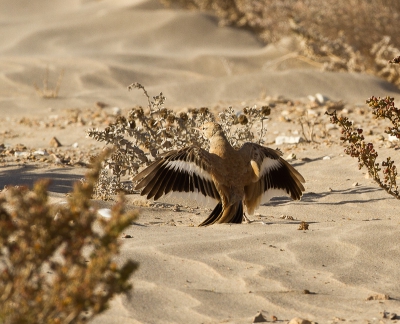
(249, 176)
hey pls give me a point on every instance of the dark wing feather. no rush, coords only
(186, 170)
(276, 177)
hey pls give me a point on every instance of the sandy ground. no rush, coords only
(222, 273)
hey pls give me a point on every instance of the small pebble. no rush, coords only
(116, 111)
(312, 98)
(54, 142)
(41, 152)
(298, 320)
(259, 318)
(321, 99)
(291, 156)
(288, 140)
(21, 154)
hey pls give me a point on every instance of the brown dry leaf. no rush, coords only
(303, 226)
(378, 297)
(20, 147)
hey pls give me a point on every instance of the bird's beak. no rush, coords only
(198, 129)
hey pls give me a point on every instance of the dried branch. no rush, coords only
(366, 155)
(137, 139)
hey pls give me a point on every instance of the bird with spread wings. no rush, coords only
(249, 176)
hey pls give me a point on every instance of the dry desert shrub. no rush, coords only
(137, 139)
(341, 35)
(382, 108)
(55, 266)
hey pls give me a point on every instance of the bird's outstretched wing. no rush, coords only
(273, 176)
(185, 171)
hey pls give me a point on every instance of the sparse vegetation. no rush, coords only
(365, 152)
(307, 125)
(145, 133)
(46, 92)
(56, 264)
(353, 35)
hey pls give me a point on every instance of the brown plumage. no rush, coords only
(251, 176)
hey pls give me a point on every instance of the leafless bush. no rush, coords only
(55, 267)
(137, 139)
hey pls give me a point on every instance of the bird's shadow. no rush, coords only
(315, 198)
(301, 162)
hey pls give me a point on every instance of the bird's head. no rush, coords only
(210, 129)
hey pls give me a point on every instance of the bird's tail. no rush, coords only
(231, 214)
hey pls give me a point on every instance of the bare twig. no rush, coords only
(47, 92)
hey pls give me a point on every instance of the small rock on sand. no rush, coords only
(298, 320)
(291, 156)
(54, 142)
(259, 318)
(288, 140)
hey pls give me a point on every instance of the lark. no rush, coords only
(237, 180)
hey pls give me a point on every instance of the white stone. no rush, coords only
(321, 98)
(312, 98)
(116, 111)
(21, 154)
(288, 140)
(41, 152)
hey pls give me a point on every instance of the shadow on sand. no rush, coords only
(62, 179)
